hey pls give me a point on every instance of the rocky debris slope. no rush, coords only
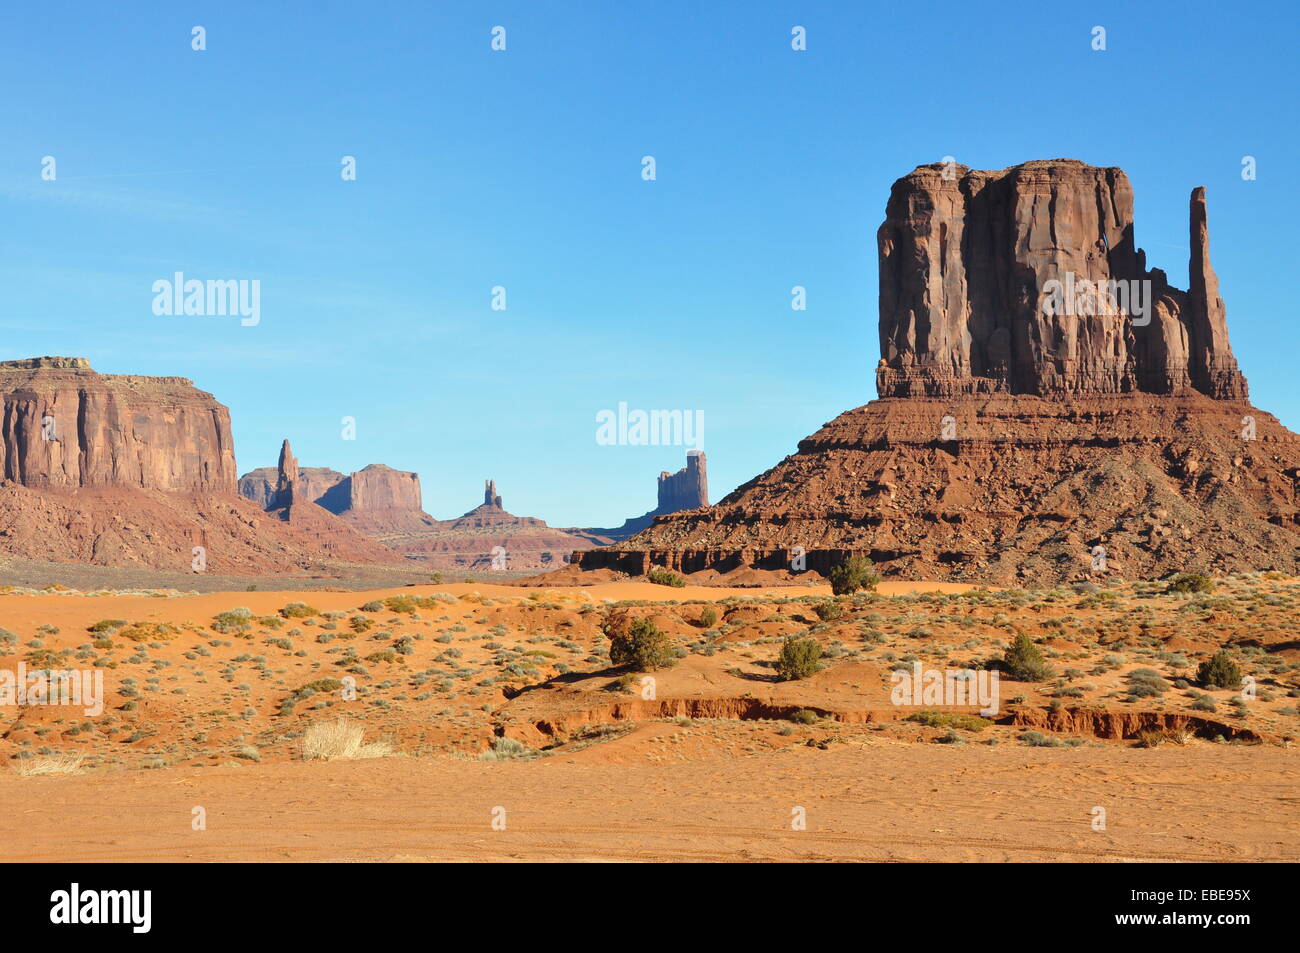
(1026, 491)
(62, 424)
(150, 529)
(1013, 445)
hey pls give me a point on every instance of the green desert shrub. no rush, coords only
(232, 621)
(299, 610)
(828, 611)
(799, 658)
(150, 631)
(853, 574)
(637, 642)
(1024, 661)
(624, 683)
(1036, 739)
(946, 719)
(709, 617)
(1146, 683)
(1191, 582)
(323, 685)
(665, 577)
(1219, 672)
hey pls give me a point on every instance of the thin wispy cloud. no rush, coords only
(132, 203)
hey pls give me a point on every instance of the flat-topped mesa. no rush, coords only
(62, 424)
(51, 363)
(983, 281)
(688, 488)
(380, 487)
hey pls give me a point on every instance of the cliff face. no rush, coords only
(379, 487)
(686, 489)
(64, 425)
(968, 304)
(338, 537)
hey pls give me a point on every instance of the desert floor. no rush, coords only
(874, 802)
(499, 704)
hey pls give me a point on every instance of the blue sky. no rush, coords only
(522, 169)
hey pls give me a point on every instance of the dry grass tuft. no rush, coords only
(53, 764)
(340, 740)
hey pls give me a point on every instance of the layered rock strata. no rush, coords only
(62, 424)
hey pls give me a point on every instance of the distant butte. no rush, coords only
(687, 489)
(384, 504)
(375, 500)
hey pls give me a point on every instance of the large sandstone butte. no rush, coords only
(965, 262)
(1015, 441)
(135, 472)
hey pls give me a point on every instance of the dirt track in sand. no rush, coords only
(887, 802)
